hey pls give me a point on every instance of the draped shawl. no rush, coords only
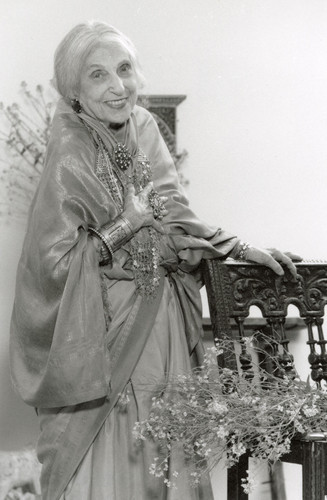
(58, 348)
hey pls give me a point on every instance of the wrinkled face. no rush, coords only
(108, 84)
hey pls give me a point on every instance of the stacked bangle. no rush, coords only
(106, 251)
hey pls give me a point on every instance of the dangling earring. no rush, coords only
(76, 105)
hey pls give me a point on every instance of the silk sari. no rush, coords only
(84, 341)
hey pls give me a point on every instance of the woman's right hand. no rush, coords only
(137, 208)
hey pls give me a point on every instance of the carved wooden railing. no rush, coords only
(232, 288)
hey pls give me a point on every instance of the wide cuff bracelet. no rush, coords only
(118, 232)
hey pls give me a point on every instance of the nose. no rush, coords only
(116, 85)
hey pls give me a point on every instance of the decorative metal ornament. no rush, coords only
(76, 105)
(122, 156)
(156, 204)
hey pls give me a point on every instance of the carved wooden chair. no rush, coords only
(232, 288)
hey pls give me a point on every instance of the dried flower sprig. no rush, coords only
(24, 133)
(215, 413)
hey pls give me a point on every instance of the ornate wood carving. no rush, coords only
(251, 284)
(163, 109)
(232, 288)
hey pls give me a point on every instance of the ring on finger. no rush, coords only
(157, 205)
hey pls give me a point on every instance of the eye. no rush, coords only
(97, 74)
(125, 68)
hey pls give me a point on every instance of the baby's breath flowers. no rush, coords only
(248, 483)
(217, 414)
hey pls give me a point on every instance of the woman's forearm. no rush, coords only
(113, 236)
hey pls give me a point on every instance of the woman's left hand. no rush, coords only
(273, 258)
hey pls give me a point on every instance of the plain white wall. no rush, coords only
(254, 121)
(254, 72)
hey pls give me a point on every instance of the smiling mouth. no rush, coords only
(117, 103)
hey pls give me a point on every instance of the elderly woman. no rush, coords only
(107, 301)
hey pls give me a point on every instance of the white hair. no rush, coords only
(77, 45)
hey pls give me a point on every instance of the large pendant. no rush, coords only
(123, 158)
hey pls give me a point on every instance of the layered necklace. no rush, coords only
(118, 163)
